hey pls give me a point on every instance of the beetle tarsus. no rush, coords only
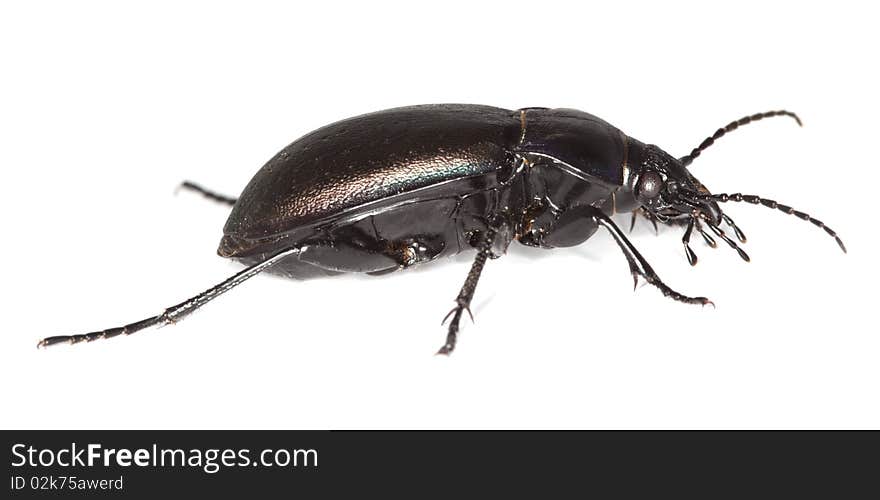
(452, 334)
(669, 292)
(108, 333)
(463, 301)
(174, 313)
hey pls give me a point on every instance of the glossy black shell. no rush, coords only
(424, 175)
(368, 159)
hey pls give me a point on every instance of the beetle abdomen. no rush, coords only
(371, 158)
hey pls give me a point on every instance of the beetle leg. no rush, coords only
(463, 301)
(207, 194)
(175, 313)
(641, 211)
(638, 265)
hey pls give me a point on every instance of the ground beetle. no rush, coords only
(405, 186)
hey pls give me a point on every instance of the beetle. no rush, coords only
(406, 186)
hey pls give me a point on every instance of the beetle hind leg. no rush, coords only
(175, 313)
(211, 195)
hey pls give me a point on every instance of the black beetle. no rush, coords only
(404, 186)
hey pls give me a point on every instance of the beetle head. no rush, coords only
(665, 189)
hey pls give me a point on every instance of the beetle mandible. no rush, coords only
(400, 187)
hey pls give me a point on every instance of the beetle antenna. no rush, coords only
(174, 313)
(757, 200)
(730, 127)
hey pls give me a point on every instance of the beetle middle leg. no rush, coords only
(492, 244)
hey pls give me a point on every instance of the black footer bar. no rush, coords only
(412, 464)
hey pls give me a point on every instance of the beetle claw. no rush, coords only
(458, 309)
(452, 335)
(444, 351)
(447, 316)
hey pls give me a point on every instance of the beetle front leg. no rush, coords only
(647, 215)
(638, 266)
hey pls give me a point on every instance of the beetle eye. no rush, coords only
(650, 185)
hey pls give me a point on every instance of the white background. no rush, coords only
(105, 108)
